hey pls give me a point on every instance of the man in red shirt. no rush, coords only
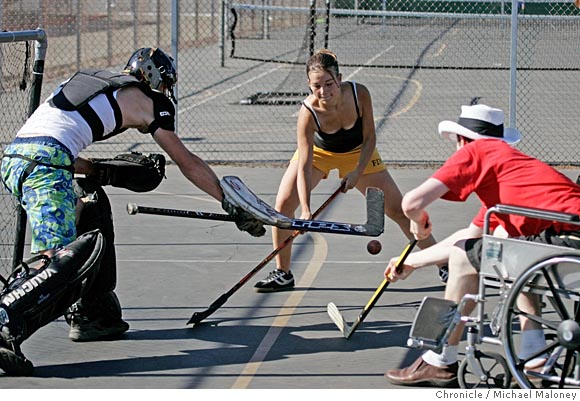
(484, 164)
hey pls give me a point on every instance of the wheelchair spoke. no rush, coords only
(551, 282)
(556, 296)
(535, 318)
(567, 365)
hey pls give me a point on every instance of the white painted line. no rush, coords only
(183, 109)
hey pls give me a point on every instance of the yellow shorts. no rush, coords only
(326, 161)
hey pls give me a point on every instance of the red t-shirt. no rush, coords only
(498, 173)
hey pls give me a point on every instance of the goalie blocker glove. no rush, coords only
(244, 220)
(133, 171)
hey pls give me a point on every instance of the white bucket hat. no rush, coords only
(479, 122)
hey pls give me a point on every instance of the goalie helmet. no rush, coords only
(154, 67)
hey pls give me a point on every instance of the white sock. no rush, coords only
(532, 341)
(446, 357)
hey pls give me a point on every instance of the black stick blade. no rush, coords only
(199, 316)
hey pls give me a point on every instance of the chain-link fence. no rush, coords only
(242, 75)
(22, 56)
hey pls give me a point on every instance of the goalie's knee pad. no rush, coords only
(35, 297)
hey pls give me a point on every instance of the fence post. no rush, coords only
(175, 45)
(40, 48)
(222, 39)
(109, 33)
(78, 27)
(513, 63)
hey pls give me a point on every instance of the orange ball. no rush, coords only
(374, 247)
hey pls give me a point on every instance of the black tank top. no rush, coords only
(344, 140)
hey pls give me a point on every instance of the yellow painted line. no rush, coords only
(285, 313)
(414, 99)
(411, 103)
(440, 50)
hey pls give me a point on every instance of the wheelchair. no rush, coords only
(511, 269)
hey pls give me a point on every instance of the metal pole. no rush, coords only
(212, 18)
(40, 48)
(158, 33)
(196, 20)
(312, 23)
(513, 63)
(383, 19)
(134, 10)
(41, 10)
(223, 33)
(265, 21)
(78, 29)
(109, 33)
(327, 27)
(175, 42)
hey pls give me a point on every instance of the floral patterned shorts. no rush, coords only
(46, 194)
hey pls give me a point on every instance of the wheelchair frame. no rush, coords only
(514, 267)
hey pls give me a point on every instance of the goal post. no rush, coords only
(289, 37)
(22, 57)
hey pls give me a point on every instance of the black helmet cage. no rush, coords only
(154, 67)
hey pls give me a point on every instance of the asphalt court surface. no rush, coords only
(170, 267)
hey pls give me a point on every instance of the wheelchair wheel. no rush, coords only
(493, 365)
(555, 283)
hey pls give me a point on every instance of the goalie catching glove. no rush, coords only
(244, 220)
(133, 171)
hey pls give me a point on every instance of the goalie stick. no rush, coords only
(199, 316)
(244, 198)
(337, 317)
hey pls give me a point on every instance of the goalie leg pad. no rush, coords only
(35, 297)
(98, 215)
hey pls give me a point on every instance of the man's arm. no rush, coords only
(415, 202)
(202, 176)
(435, 254)
(193, 168)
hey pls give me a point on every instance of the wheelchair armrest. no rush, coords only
(541, 214)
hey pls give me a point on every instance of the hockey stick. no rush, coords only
(241, 196)
(346, 329)
(199, 316)
(372, 228)
(132, 208)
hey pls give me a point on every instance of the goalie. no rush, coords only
(38, 168)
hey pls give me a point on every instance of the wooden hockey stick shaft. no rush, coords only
(199, 316)
(348, 330)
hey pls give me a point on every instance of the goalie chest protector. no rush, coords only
(77, 92)
(87, 84)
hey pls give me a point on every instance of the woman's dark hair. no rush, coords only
(323, 60)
